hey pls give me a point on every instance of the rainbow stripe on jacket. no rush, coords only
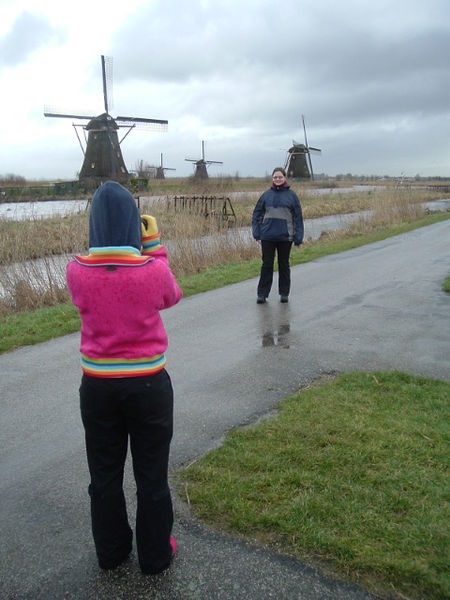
(121, 367)
(118, 256)
(151, 243)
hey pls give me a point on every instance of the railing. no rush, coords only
(206, 206)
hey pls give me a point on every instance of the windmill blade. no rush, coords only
(142, 120)
(308, 149)
(304, 131)
(213, 162)
(310, 166)
(107, 78)
(141, 123)
(53, 113)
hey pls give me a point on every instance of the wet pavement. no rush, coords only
(231, 361)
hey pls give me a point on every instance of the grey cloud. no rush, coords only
(260, 57)
(29, 32)
(207, 38)
(202, 39)
(356, 69)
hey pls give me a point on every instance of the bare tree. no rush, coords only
(145, 170)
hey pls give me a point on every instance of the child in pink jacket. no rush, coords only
(125, 393)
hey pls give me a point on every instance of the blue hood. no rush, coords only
(114, 218)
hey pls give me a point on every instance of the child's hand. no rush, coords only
(149, 225)
(150, 235)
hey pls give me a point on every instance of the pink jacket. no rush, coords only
(119, 293)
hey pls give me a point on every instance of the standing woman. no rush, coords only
(126, 393)
(277, 222)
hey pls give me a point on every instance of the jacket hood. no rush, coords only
(114, 219)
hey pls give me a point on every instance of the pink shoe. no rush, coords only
(173, 545)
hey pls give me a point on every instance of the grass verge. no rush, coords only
(26, 328)
(446, 285)
(352, 474)
(46, 323)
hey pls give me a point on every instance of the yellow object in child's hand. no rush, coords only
(151, 242)
(149, 225)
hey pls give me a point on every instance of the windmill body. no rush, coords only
(297, 166)
(201, 171)
(103, 155)
(298, 161)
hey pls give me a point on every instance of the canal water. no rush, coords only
(19, 211)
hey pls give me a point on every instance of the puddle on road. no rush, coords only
(274, 325)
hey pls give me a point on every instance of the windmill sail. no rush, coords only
(155, 124)
(52, 112)
(107, 74)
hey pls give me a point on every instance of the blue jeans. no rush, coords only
(283, 250)
(141, 409)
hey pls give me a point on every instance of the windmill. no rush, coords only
(200, 164)
(298, 160)
(160, 170)
(102, 153)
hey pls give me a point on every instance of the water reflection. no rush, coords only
(275, 324)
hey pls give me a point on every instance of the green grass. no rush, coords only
(446, 285)
(352, 474)
(28, 328)
(47, 323)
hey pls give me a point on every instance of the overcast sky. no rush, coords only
(371, 77)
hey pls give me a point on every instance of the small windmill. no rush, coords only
(201, 171)
(102, 153)
(160, 170)
(298, 163)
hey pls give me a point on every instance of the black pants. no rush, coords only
(284, 272)
(112, 410)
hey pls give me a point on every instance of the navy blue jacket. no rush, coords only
(277, 216)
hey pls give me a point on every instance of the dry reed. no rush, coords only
(34, 253)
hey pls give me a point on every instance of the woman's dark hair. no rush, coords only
(279, 169)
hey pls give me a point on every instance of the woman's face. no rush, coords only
(278, 178)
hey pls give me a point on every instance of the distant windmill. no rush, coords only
(103, 156)
(200, 164)
(299, 158)
(160, 170)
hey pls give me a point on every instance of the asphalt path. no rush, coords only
(376, 307)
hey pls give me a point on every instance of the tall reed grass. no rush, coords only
(34, 253)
